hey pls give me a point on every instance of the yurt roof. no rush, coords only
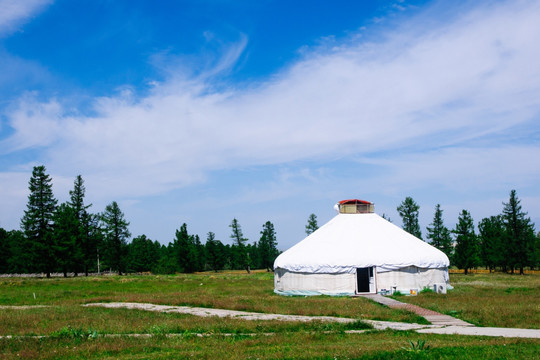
(350, 241)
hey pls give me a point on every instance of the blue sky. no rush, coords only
(202, 111)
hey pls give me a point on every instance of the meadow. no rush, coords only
(71, 331)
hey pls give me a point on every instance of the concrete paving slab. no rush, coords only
(484, 331)
(244, 315)
(446, 320)
(392, 325)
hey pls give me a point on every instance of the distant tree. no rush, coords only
(255, 255)
(536, 257)
(167, 263)
(466, 253)
(93, 240)
(85, 253)
(66, 232)
(185, 250)
(229, 257)
(439, 234)
(37, 222)
(311, 224)
(199, 253)
(242, 256)
(268, 246)
(5, 251)
(143, 254)
(237, 236)
(520, 234)
(216, 256)
(408, 210)
(492, 242)
(21, 258)
(386, 217)
(116, 233)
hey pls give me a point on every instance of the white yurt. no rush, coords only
(359, 252)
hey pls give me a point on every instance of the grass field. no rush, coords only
(76, 332)
(484, 299)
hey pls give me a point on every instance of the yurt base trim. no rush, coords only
(408, 281)
(310, 293)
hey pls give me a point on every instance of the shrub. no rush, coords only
(426, 290)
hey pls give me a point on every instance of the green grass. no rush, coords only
(243, 292)
(47, 321)
(76, 332)
(495, 300)
(302, 345)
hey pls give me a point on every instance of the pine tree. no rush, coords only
(143, 255)
(65, 237)
(181, 248)
(408, 210)
(86, 252)
(239, 240)
(5, 251)
(520, 242)
(492, 242)
(93, 240)
(199, 253)
(466, 252)
(268, 246)
(186, 250)
(167, 263)
(216, 257)
(37, 222)
(20, 261)
(311, 224)
(253, 255)
(439, 234)
(536, 252)
(116, 233)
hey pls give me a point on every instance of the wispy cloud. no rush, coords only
(16, 12)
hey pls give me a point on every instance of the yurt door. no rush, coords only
(365, 279)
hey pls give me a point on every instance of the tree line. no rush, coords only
(506, 241)
(68, 238)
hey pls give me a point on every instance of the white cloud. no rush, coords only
(16, 12)
(415, 89)
(35, 125)
(461, 170)
(13, 194)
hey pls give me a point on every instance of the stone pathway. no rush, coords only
(484, 331)
(433, 317)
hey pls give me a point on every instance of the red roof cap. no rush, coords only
(354, 201)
